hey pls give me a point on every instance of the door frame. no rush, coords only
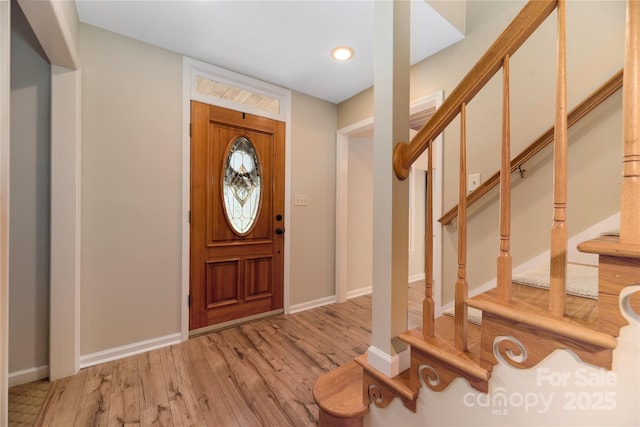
(342, 199)
(191, 70)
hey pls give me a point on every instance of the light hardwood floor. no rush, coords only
(257, 374)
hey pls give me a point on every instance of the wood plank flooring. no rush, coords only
(256, 374)
(25, 402)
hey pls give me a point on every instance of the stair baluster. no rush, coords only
(504, 274)
(428, 307)
(630, 191)
(462, 287)
(559, 234)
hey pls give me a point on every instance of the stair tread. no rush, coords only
(530, 305)
(581, 310)
(610, 245)
(582, 279)
(339, 391)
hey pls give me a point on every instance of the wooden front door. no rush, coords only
(237, 215)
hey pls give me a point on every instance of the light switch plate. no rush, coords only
(301, 200)
(473, 182)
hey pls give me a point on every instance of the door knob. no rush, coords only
(279, 231)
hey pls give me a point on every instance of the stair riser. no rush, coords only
(438, 375)
(378, 393)
(328, 420)
(524, 346)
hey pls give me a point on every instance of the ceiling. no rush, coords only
(286, 43)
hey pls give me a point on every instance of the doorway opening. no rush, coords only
(354, 206)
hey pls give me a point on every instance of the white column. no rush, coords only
(390, 196)
(64, 345)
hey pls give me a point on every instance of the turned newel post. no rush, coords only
(630, 203)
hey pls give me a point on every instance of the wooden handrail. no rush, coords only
(522, 26)
(585, 107)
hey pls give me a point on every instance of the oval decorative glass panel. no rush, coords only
(241, 185)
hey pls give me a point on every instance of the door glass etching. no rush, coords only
(241, 185)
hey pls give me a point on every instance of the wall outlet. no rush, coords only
(301, 200)
(473, 182)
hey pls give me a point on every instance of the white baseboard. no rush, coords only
(327, 300)
(28, 375)
(312, 304)
(359, 292)
(416, 277)
(128, 350)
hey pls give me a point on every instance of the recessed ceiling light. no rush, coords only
(342, 53)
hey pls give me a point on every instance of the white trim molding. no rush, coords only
(192, 69)
(55, 34)
(328, 300)
(28, 375)
(359, 292)
(342, 202)
(128, 350)
(416, 277)
(66, 221)
(312, 304)
(390, 365)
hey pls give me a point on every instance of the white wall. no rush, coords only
(312, 234)
(30, 187)
(131, 193)
(131, 190)
(360, 219)
(360, 215)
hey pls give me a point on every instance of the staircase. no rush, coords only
(521, 326)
